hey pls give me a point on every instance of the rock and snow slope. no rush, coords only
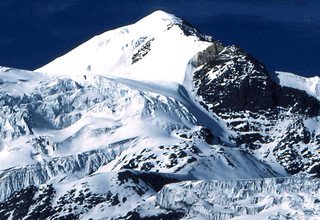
(105, 127)
(272, 121)
(310, 85)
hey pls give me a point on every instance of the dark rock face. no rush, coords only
(295, 150)
(155, 180)
(37, 203)
(242, 78)
(143, 51)
(209, 54)
(170, 215)
(19, 204)
(239, 89)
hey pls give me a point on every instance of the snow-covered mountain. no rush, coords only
(118, 127)
(158, 47)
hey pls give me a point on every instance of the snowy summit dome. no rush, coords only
(156, 48)
(159, 17)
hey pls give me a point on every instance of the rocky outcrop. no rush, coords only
(229, 73)
(238, 88)
(77, 200)
(209, 54)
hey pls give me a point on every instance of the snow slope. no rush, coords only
(159, 39)
(310, 85)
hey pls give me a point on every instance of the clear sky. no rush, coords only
(283, 34)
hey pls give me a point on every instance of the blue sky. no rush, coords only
(283, 34)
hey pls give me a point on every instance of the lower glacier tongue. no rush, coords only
(276, 198)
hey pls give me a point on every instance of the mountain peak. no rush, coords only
(156, 48)
(160, 16)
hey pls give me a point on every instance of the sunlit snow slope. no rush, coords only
(310, 85)
(156, 48)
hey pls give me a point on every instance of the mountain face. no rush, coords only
(157, 121)
(266, 115)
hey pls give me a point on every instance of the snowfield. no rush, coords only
(153, 49)
(310, 85)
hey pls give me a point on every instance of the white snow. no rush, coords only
(111, 52)
(309, 85)
(17, 82)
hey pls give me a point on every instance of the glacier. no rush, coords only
(272, 198)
